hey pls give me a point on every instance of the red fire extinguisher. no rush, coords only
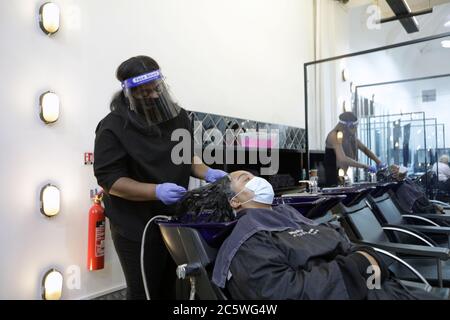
(96, 235)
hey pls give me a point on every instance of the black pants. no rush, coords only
(159, 266)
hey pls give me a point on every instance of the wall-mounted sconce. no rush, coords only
(49, 107)
(346, 106)
(341, 173)
(340, 136)
(52, 284)
(345, 74)
(446, 44)
(49, 18)
(50, 200)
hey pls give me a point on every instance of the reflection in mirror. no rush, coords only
(401, 96)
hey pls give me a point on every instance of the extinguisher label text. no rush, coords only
(100, 239)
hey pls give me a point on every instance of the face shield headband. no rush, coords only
(140, 80)
(150, 99)
(349, 124)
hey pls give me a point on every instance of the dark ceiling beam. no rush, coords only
(402, 12)
(415, 14)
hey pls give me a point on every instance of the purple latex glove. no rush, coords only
(212, 175)
(169, 193)
(381, 166)
(372, 169)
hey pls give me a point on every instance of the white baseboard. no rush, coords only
(103, 292)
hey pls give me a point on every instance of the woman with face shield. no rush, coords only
(141, 179)
(341, 150)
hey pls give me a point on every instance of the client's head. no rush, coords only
(220, 200)
(250, 191)
(444, 159)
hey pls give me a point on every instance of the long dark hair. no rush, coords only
(130, 68)
(207, 204)
(349, 144)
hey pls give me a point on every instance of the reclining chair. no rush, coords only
(362, 227)
(194, 247)
(432, 227)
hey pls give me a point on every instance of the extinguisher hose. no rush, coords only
(144, 278)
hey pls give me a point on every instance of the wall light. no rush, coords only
(346, 105)
(341, 173)
(52, 284)
(340, 136)
(445, 44)
(49, 18)
(49, 107)
(50, 200)
(345, 74)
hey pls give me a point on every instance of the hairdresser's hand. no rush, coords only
(169, 193)
(372, 169)
(212, 175)
(381, 166)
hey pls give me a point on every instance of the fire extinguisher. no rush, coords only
(96, 235)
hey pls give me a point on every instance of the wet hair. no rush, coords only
(130, 68)
(207, 204)
(348, 116)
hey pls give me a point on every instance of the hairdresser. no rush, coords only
(341, 150)
(134, 165)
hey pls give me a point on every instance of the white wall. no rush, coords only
(325, 86)
(237, 58)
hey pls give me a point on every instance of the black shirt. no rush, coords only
(122, 149)
(330, 167)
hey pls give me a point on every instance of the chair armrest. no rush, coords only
(443, 217)
(410, 249)
(420, 218)
(404, 229)
(440, 203)
(429, 229)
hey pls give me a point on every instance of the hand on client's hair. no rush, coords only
(209, 203)
(212, 175)
(372, 169)
(169, 193)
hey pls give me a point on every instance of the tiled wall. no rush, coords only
(290, 138)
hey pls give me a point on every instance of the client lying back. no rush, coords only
(276, 253)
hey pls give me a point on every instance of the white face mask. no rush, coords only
(262, 190)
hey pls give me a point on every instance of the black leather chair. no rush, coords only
(432, 227)
(194, 258)
(363, 227)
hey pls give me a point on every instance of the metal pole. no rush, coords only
(308, 158)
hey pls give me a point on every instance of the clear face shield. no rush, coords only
(149, 97)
